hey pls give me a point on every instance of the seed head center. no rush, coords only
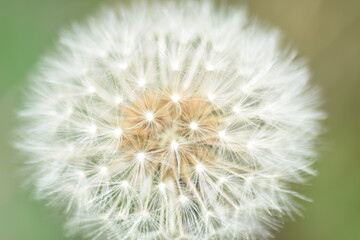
(171, 133)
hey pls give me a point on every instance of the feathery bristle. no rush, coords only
(171, 121)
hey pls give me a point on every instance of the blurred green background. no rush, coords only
(327, 32)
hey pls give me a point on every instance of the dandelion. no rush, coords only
(171, 120)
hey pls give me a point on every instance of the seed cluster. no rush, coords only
(173, 132)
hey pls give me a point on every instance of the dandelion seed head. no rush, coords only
(171, 120)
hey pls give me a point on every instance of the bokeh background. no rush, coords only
(326, 32)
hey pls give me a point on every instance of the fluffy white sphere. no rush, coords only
(171, 121)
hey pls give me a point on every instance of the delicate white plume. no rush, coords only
(171, 121)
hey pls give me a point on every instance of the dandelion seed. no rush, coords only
(91, 89)
(194, 126)
(210, 67)
(200, 168)
(162, 186)
(124, 184)
(149, 116)
(92, 129)
(118, 132)
(141, 82)
(103, 170)
(235, 109)
(183, 199)
(223, 180)
(81, 174)
(211, 97)
(222, 134)
(118, 100)
(174, 145)
(175, 98)
(123, 66)
(175, 67)
(140, 157)
(144, 213)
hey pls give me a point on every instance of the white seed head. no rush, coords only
(241, 110)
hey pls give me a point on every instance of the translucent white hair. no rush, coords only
(175, 120)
